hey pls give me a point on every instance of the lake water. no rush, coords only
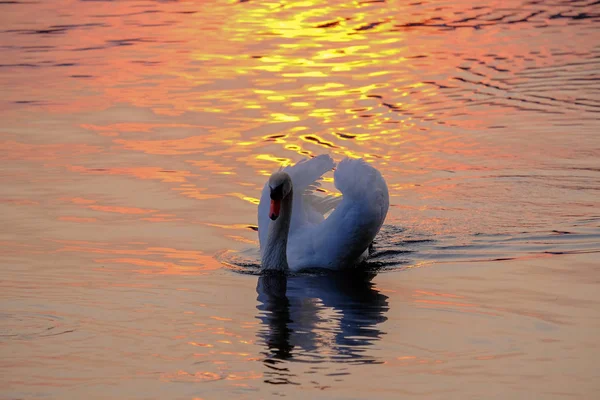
(135, 138)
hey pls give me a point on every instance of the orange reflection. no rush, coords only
(138, 127)
(200, 344)
(184, 376)
(427, 293)
(77, 219)
(91, 204)
(194, 192)
(249, 199)
(190, 145)
(159, 267)
(429, 299)
(242, 239)
(445, 303)
(264, 85)
(157, 260)
(12, 150)
(121, 210)
(153, 173)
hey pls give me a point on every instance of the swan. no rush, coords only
(293, 231)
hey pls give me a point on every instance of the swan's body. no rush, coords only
(290, 217)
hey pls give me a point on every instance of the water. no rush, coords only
(135, 139)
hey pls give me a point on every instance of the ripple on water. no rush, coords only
(28, 325)
(396, 249)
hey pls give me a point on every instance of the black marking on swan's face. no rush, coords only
(280, 185)
(276, 192)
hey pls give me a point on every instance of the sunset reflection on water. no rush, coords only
(136, 138)
(189, 101)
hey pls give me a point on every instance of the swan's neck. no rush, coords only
(274, 256)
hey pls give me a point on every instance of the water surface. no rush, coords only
(136, 137)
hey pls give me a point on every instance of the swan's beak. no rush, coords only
(274, 211)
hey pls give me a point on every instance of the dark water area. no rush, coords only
(135, 139)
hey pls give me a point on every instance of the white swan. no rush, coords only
(292, 229)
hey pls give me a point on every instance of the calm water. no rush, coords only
(135, 138)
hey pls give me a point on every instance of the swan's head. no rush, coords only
(280, 185)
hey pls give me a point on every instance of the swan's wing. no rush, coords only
(304, 174)
(349, 230)
(322, 205)
(309, 170)
(316, 206)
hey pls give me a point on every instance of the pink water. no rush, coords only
(135, 138)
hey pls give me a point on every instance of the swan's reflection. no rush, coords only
(319, 318)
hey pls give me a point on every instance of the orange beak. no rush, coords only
(274, 211)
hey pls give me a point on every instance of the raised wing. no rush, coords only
(348, 231)
(304, 175)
